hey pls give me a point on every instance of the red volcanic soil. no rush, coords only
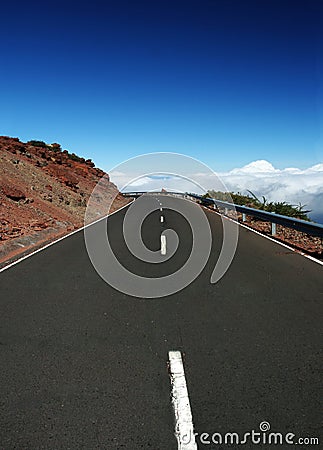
(43, 194)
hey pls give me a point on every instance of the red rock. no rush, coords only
(13, 193)
(46, 172)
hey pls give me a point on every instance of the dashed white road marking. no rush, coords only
(184, 430)
(163, 244)
(161, 219)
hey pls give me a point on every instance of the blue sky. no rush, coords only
(227, 82)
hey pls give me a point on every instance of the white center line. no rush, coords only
(184, 430)
(163, 244)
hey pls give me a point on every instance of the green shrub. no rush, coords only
(250, 200)
(56, 147)
(74, 157)
(37, 143)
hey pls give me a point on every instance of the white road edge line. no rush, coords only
(184, 429)
(163, 244)
(267, 237)
(61, 238)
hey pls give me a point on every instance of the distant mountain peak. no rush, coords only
(259, 166)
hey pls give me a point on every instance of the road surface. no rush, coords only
(84, 366)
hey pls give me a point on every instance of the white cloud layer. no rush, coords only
(291, 184)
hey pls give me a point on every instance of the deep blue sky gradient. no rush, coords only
(226, 82)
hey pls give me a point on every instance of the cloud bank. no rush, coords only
(291, 184)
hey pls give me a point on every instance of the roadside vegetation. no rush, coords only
(250, 200)
(55, 147)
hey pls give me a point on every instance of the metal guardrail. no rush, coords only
(139, 193)
(314, 229)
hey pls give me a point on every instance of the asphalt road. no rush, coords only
(84, 366)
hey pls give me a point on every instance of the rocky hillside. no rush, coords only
(43, 193)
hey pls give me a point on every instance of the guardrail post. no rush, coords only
(244, 217)
(273, 228)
